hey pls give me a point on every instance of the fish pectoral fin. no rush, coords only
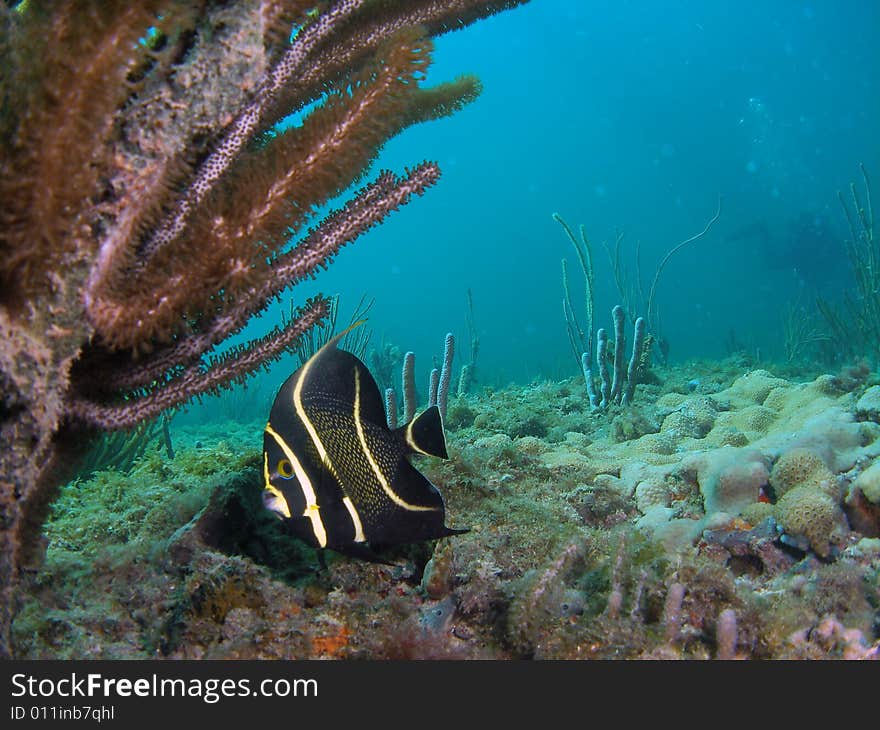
(424, 434)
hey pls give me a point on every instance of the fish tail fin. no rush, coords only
(424, 434)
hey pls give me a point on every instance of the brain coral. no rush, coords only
(755, 386)
(530, 445)
(650, 493)
(756, 513)
(777, 399)
(756, 418)
(811, 513)
(681, 424)
(693, 418)
(727, 435)
(801, 467)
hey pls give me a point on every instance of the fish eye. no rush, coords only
(285, 469)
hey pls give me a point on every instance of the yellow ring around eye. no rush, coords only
(285, 469)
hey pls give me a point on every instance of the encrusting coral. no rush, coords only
(149, 194)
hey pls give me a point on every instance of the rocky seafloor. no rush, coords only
(729, 513)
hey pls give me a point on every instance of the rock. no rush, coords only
(868, 406)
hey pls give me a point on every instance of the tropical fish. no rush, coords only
(334, 471)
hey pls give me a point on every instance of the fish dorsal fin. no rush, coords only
(424, 434)
(329, 352)
(333, 342)
(330, 382)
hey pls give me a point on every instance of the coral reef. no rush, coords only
(799, 468)
(729, 478)
(811, 514)
(581, 546)
(150, 195)
(438, 385)
(862, 512)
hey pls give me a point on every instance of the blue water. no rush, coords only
(631, 116)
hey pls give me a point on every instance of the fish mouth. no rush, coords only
(275, 504)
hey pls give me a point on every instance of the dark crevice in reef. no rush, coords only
(235, 522)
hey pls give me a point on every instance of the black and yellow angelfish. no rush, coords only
(336, 473)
